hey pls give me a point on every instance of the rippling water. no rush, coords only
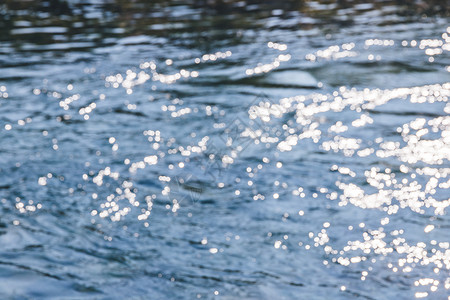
(243, 150)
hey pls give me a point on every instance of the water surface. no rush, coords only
(243, 150)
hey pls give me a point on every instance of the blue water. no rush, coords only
(255, 151)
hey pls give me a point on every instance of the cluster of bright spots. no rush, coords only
(172, 78)
(54, 94)
(43, 179)
(377, 42)
(300, 192)
(213, 56)
(351, 193)
(264, 112)
(114, 207)
(339, 127)
(347, 146)
(418, 189)
(189, 149)
(147, 161)
(343, 170)
(145, 212)
(287, 144)
(111, 206)
(373, 242)
(398, 193)
(394, 190)
(176, 113)
(277, 46)
(361, 121)
(166, 179)
(435, 47)
(432, 94)
(115, 146)
(265, 68)
(24, 206)
(106, 172)
(130, 80)
(407, 192)
(21, 122)
(149, 65)
(65, 104)
(279, 243)
(255, 133)
(3, 92)
(433, 285)
(333, 52)
(307, 108)
(265, 109)
(154, 137)
(379, 243)
(438, 256)
(418, 147)
(85, 111)
(432, 47)
(322, 237)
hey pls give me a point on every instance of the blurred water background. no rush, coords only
(224, 149)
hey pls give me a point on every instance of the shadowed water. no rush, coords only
(183, 150)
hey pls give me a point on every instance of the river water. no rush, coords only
(294, 150)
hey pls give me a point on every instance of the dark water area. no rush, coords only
(224, 149)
